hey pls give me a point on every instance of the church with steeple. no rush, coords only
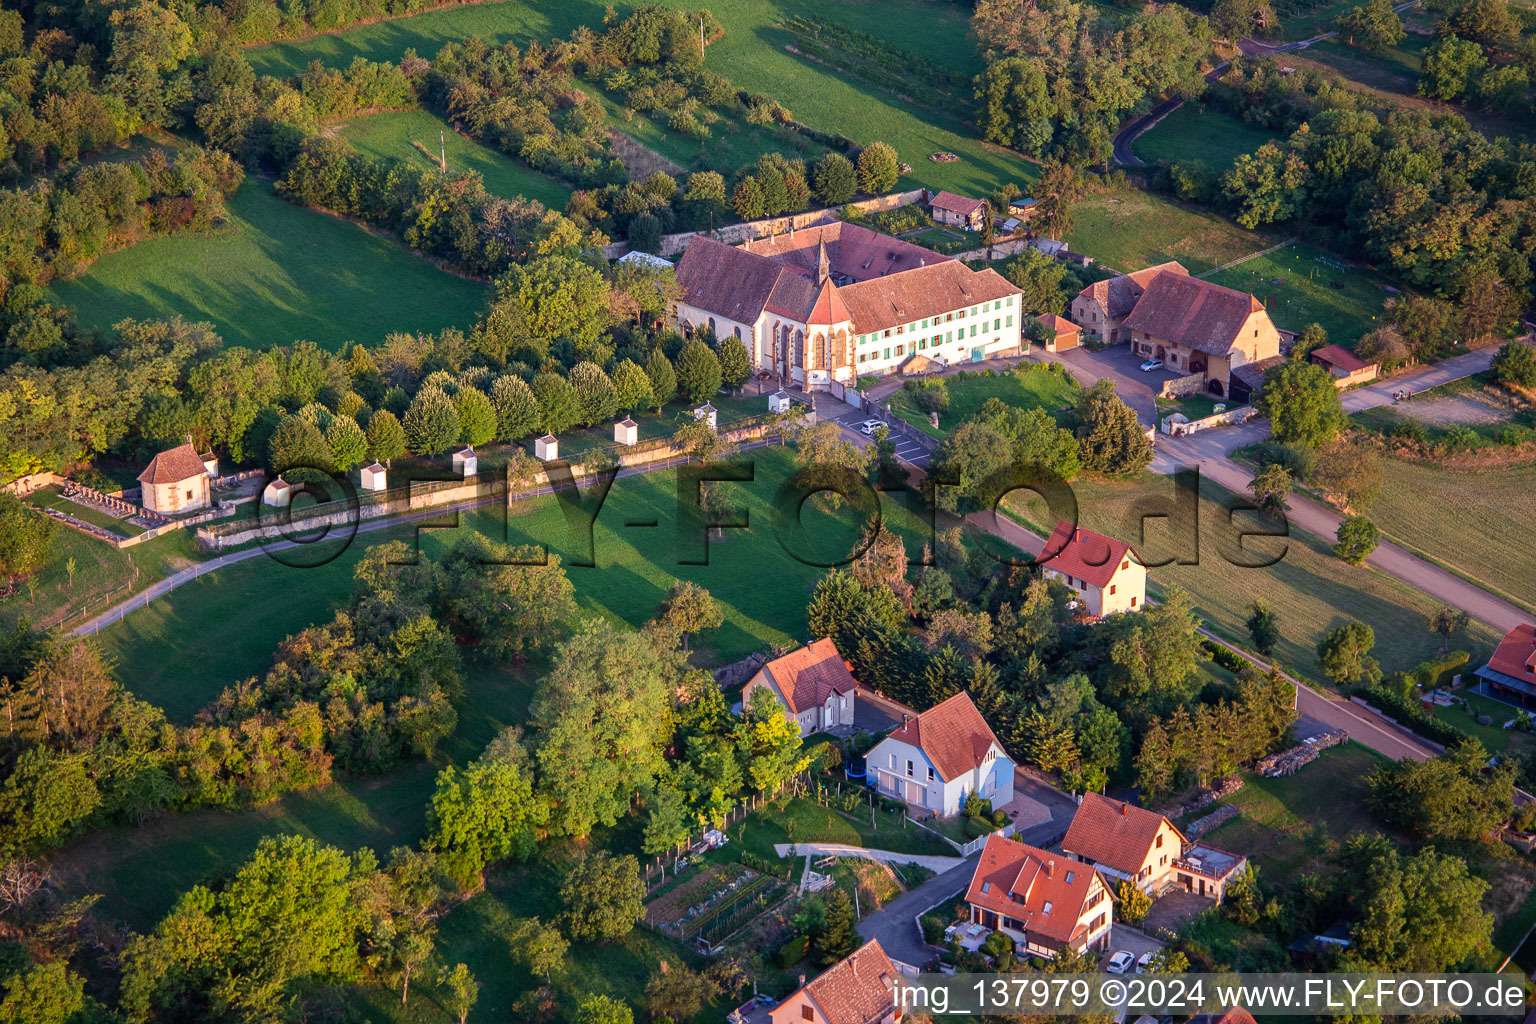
(835, 301)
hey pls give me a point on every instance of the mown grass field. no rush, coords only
(1279, 815)
(752, 55)
(1127, 229)
(1308, 588)
(239, 614)
(1039, 389)
(276, 273)
(1478, 523)
(396, 135)
(1301, 284)
(1193, 133)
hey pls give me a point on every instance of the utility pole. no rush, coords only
(442, 150)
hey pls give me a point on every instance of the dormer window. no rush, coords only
(1070, 876)
(1048, 906)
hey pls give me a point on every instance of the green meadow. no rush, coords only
(275, 273)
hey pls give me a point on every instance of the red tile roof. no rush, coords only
(1194, 313)
(1021, 881)
(1112, 833)
(1117, 295)
(956, 204)
(892, 282)
(173, 466)
(856, 989)
(1084, 554)
(1341, 357)
(807, 677)
(1516, 653)
(1059, 324)
(953, 735)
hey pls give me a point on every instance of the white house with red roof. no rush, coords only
(1124, 841)
(938, 758)
(1106, 575)
(1044, 901)
(830, 302)
(177, 480)
(858, 989)
(814, 683)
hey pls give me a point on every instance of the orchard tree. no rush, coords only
(431, 423)
(698, 373)
(632, 388)
(484, 812)
(477, 417)
(735, 364)
(1357, 538)
(1344, 654)
(517, 410)
(539, 946)
(347, 443)
(688, 609)
(658, 369)
(603, 897)
(878, 168)
(26, 538)
(559, 406)
(595, 394)
(1302, 404)
(835, 179)
(1514, 365)
(463, 991)
(1446, 620)
(603, 1010)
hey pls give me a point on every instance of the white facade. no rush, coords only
(465, 462)
(1126, 590)
(836, 710)
(965, 335)
(375, 478)
(546, 448)
(904, 772)
(278, 493)
(626, 431)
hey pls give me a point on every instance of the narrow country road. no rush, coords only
(1126, 137)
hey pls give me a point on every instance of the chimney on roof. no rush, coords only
(1077, 534)
(1050, 868)
(905, 718)
(1124, 809)
(802, 981)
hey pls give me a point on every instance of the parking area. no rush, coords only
(907, 450)
(1136, 388)
(1123, 937)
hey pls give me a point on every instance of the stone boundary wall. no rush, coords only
(1179, 387)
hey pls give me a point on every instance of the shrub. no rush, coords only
(933, 929)
(1409, 713)
(1299, 461)
(1440, 671)
(793, 951)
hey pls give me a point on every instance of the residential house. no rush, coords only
(814, 684)
(1194, 326)
(858, 989)
(1101, 308)
(176, 480)
(938, 758)
(948, 208)
(826, 304)
(1106, 575)
(1060, 333)
(1043, 901)
(1511, 673)
(1207, 870)
(1347, 368)
(1123, 841)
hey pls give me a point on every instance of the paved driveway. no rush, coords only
(1122, 936)
(1136, 389)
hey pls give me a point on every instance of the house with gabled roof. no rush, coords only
(949, 208)
(1044, 901)
(1195, 326)
(1105, 574)
(938, 758)
(826, 303)
(1101, 308)
(815, 685)
(858, 989)
(1124, 841)
(1510, 673)
(176, 480)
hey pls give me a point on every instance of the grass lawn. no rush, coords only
(273, 274)
(1478, 523)
(1194, 133)
(1495, 737)
(396, 135)
(1310, 589)
(1302, 284)
(1394, 70)
(803, 820)
(1036, 389)
(1280, 815)
(1194, 406)
(51, 497)
(636, 566)
(103, 576)
(496, 23)
(1127, 229)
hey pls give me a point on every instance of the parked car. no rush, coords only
(1120, 962)
(1151, 364)
(870, 426)
(1144, 962)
